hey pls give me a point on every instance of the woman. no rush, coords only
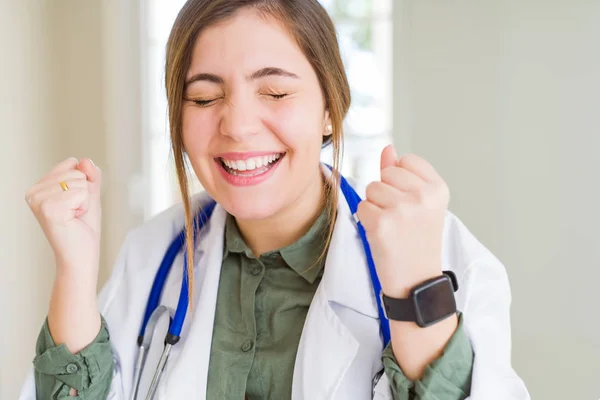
(282, 304)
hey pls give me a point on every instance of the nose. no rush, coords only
(240, 119)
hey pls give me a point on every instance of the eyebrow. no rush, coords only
(272, 71)
(261, 73)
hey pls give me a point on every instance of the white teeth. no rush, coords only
(251, 163)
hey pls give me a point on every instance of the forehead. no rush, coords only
(246, 41)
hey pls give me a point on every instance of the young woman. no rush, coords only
(281, 301)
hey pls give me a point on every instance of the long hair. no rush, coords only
(312, 28)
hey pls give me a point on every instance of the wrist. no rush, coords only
(81, 279)
(83, 290)
(401, 288)
(66, 267)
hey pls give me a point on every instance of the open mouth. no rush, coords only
(253, 166)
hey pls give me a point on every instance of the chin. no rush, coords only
(251, 207)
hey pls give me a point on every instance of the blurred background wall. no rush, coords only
(69, 71)
(502, 98)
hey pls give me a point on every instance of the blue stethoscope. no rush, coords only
(154, 312)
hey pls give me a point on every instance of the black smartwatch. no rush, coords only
(428, 303)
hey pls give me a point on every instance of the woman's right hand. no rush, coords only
(71, 220)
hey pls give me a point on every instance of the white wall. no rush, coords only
(26, 147)
(70, 87)
(503, 97)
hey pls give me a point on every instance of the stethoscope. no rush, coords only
(154, 312)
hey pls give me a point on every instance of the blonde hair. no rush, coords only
(312, 28)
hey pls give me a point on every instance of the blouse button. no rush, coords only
(256, 270)
(72, 368)
(247, 346)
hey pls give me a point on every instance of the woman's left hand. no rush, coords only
(403, 216)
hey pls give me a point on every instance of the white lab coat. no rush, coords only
(340, 347)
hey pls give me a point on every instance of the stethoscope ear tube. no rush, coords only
(159, 370)
(172, 339)
(144, 345)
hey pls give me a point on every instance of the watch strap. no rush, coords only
(453, 279)
(404, 309)
(398, 309)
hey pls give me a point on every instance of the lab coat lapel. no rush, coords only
(325, 352)
(187, 378)
(327, 346)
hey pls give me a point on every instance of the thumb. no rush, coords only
(92, 172)
(388, 157)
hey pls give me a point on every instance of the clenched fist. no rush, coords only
(403, 216)
(70, 219)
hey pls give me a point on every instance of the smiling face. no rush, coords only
(253, 117)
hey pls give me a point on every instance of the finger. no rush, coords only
(78, 203)
(419, 167)
(73, 203)
(55, 187)
(43, 191)
(72, 179)
(402, 179)
(383, 195)
(64, 176)
(90, 169)
(93, 173)
(369, 215)
(388, 157)
(63, 206)
(65, 165)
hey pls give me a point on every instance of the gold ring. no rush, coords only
(64, 186)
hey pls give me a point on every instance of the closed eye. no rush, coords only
(206, 103)
(203, 103)
(278, 96)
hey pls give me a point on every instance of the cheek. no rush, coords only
(298, 126)
(197, 131)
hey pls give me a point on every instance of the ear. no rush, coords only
(328, 130)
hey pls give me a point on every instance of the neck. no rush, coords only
(286, 226)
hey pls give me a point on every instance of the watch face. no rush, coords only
(434, 302)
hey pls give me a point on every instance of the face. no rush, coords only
(253, 117)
